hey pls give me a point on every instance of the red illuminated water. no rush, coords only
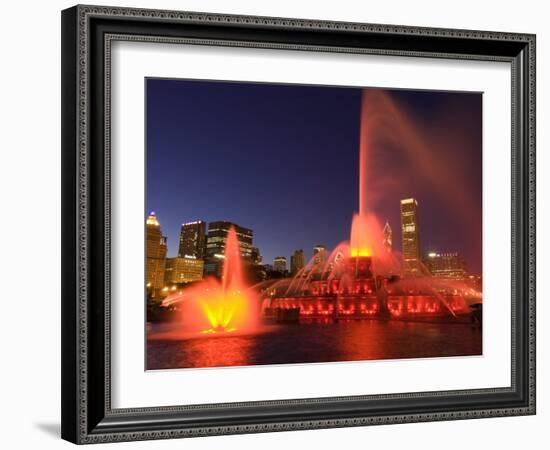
(356, 340)
(214, 306)
(350, 282)
(362, 272)
(363, 149)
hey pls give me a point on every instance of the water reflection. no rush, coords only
(317, 341)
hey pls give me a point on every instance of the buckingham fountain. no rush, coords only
(359, 279)
(362, 279)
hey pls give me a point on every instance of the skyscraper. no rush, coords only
(410, 238)
(192, 240)
(446, 265)
(155, 255)
(388, 237)
(319, 254)
(215, 245)
(279, 264)
(297, 261)
(256, 256)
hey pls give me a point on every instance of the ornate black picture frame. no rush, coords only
(87, 34)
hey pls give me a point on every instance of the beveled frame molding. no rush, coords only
(87, 35)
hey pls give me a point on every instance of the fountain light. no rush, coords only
(360, 252)
(219, 306)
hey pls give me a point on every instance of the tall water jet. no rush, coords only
(365, 231)
(214, 306)
(362, 278)
(363, 146)
(360, 243)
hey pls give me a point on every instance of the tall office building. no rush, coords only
(388, 237)
(192, 240)
(319, 254)
(183, 270)
(446, 265)
(155, 255)
(215, 245)
(297, 261)
(410, 238)
(279, 264)
(256, 256)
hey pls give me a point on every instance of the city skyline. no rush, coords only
(281, 228)
(420, 255)
(326, 218)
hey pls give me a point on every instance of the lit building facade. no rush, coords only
(446, 265)
(388, 238)
(183, 270)
(319, 254)
(256, 256)
(410, 237)
(215, 245)
(279, 264)
(192, 240)
(297, 261)
(155, 255)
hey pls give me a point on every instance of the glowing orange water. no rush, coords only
(363, 144)
(213, 306)
(360, 242)
(367, 236)
(364, 227)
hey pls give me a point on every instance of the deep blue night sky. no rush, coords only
(283, 160)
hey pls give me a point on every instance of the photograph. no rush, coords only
(279, 219)
(292, 224)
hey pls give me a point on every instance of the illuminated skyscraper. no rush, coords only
(297, 261)
(279, 264)
(192, 240)
(155, 255)
(256, 256)
(388, 237)
(410, 238)
(319, 254)
(215, 245)
(446, 265)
